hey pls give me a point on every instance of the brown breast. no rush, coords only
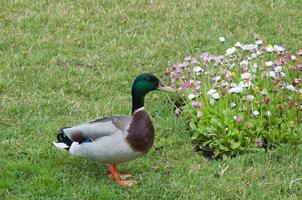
(141, 132)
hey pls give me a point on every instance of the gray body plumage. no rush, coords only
(107, 139)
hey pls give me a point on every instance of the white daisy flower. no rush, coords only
(221, 39)
(233, 84)
(230, 51)
(279, 48)
(255, 113)
(272, 74)
(290, 87)
(217, 78)
(254, 55)
(249, 47)
(278, 69)
(236, 90)
(215, 96)
(212, 91)
(264, 92)
(244, 62)
(259, 41)
(245, 84)
(199, 114)
(269, 48)
(197, 69)
(268, 113)
(238, 44)
(269, 63)
(245, 76)
(191, 96)
(249, 97)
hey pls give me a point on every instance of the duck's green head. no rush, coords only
(143, 84)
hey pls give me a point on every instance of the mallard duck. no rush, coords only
(115, 139)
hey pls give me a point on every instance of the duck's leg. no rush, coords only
(115, 175)
(113, 168)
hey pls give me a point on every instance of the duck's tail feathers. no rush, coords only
(63, 141)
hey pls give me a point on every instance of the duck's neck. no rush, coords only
(137, 101)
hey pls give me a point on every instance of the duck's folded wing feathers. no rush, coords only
(97, 128)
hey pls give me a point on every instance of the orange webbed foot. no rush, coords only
(125, 176)
(120, 177)
(126, 182)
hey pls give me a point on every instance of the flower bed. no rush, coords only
(246, 100)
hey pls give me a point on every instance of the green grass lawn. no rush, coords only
(67, 62)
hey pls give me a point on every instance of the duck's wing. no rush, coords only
(97, 128)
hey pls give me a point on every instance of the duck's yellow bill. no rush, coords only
(165, 88)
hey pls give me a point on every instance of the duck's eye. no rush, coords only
(151, 79)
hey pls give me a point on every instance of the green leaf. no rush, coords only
(192, 125)
(235, 145)
(214, 121)
(224, 148)
(279, 120)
